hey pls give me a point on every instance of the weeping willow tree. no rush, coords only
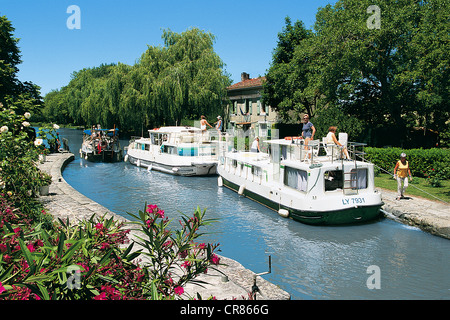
(182, 79)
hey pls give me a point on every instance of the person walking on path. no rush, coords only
(401, 173)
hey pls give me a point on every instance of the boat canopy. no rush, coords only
(110, 132)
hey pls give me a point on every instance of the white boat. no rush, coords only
(302, 184)
(184, 151)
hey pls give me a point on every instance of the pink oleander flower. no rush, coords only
(99, 226)
(2, 248)
(186, 264)
(101, 296)
(105, 245)
(85, 267)
(160, 213)
(179, 290)
(39, 243)
(31, 247)
(202, 246)
(2, 288)
(215, 259)
(151, 208)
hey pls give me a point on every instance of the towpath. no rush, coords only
(231, 281)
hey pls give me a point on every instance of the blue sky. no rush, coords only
(119, 31)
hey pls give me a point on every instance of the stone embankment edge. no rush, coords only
(230, 280)
(429, 216)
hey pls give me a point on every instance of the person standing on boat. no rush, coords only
(255, 145)
(219, 125)
(308, 131)
(401, 172)
(204, 123)
(331, 139)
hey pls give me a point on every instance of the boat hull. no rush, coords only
(104, 156)
(357, 214)
(194, 169)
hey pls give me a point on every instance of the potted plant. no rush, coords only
(44, 183)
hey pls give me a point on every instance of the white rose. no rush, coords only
(38, 142)
(55, 126)
(3, 129)
(26, 124)
(27, 115)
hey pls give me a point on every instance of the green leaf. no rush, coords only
(28, 257)
(73, 248)
(62, 238)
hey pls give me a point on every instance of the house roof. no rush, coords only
(248, 83)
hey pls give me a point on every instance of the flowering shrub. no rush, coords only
(88, 260)
(19, 176)
(175, 258)
(436, 175)
(49, 133)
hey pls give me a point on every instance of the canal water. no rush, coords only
(309, 262)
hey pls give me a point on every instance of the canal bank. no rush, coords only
(230, 281)
(430, 216)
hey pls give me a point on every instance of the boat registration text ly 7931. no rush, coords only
(349, 201)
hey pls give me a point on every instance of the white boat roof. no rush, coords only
(175, 129)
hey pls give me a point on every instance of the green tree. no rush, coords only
(181, 80)
(24, 96)
(287, 79)
(391, 78)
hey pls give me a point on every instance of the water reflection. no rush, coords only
(309, 262)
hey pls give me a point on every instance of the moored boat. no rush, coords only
(101, 145)
(185, 151)
(296, 181)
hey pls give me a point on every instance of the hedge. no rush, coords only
(422, 162)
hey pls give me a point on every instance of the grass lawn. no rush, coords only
(415, 187)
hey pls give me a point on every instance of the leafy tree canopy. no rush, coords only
(181, 80)
(394, 76)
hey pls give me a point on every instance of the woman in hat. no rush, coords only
(219, 125)
(401, 173)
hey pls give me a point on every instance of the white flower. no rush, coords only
(38, 142)
(4, 129)
(26, 124)
(27, 115)
(55, 126)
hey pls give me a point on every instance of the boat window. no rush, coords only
(256, 171)
(296, 178)
(147, 147)
(170, 149)
(333, 180)
(234, 163)
(359, 178)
